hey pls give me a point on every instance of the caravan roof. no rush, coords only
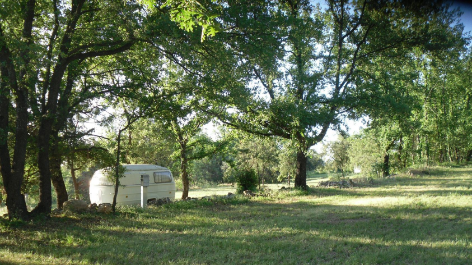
(144, 167)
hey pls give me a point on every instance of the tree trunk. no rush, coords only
(45, 135)
(469, 156)
(13, 171)
(16, 204)
(56, 158)
(401, 161)
(45, 188)
(127, 153)
(183, 169)
(449, 153)
(386, 166)
(442, 155)
(386, 163)
(12, 181)
(49, 112)
(117, 173)
(58, 183)
(15, 82)
(74, 179)
(300, 175)
(56, 174)
(259, 179)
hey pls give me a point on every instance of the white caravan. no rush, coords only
(161, 185)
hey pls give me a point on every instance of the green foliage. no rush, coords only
(246, 179)
(315, 161)
(111, 173)
(208, 169)
(148, 142)
(444, 131)
(376, 169)
(188, 14)
(365, 153)
(287, 160)
(191, 13)
(403, 64)
(368, 44)
(229, 173)
(253, 152)
(338, 153)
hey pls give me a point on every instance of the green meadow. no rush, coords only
(401, 220)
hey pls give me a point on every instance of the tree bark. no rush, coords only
(13, 173)
(16, 203)
(56, 158)
(386, 163)
(401, 161)
(469, 156)
(300, 177)
(12, 176)
(45, 188)
(74, 179)
(45, 134)
(50, 110)
(184, 169)
(56, 175)
(13, 170)
(386, 166)
(117, 172)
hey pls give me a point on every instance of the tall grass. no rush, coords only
(422, 220)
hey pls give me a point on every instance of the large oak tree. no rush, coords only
(41, 44)
(312, 66)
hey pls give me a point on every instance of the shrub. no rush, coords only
(246, 180)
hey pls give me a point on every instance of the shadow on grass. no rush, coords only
(305, 231)
(264, 233)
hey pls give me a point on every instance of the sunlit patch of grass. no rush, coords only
(208, 191)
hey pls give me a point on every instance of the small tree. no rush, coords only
(338, 151)
(128, 112)
(247, 180)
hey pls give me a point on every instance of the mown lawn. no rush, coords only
(421, 220)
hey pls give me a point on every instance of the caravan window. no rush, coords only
(162, 177)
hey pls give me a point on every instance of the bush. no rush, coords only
(246, 180)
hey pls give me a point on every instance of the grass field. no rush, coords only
(421, 220)
(224, 189)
